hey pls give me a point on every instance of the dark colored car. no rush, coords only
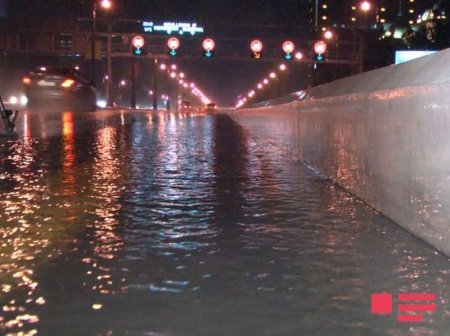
(49, 87)
(186, 105)
(211, 108)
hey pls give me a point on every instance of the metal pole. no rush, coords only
(362, 47)
(316, 18)
(312, 68)
(133, 83)
(155, 85)
(94, 17)
(109, 82)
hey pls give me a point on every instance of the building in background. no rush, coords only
(348, 13)
(3, 9)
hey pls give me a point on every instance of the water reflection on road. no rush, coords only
(119, 222)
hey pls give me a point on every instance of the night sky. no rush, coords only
(252, 11)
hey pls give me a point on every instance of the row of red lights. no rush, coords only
(181, 79)
(256, 45)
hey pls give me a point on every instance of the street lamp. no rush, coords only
(328, 35)
(105, 4)
(365, 7)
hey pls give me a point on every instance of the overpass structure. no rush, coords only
(113, 39)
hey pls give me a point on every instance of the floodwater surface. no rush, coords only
(141, 223)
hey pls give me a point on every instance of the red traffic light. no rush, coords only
(320, 47)
(208, 47)
(256, 47)
(137, 44)
(288, 47)
(208, 44)
(173, 43)
(138, 41)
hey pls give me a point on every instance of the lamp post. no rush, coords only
(94, 17)
(365, 7)
(133, 84)
(105, 4)
(155, 86)
(109, 82)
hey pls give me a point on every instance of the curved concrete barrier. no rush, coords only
(383, 135)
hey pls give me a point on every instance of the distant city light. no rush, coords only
(298, 56)
(328, 35)
(107, 4)
(282, 67)
(365, 6)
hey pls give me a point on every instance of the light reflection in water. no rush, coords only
(68, 153)
(106, 192)
(175, 222)
(21, 242)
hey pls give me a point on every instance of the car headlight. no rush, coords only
(13, 100)
(23, 100)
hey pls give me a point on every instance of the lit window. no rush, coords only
(411, 11)
(411, 22)
(353, 7)
(382, 20)
(353, 19)
(383, 9)
(324, 6)
(324, 17)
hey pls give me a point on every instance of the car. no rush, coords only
(52, 87)
(211, 107)
(186, 105)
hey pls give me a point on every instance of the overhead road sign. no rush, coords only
(169, 28)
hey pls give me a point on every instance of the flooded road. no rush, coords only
(134, 223)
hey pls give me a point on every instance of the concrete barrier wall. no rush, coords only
(383, 135)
